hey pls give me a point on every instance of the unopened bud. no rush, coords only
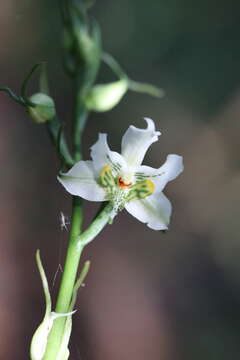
(40, 338)
(104, 97)
(44, 109)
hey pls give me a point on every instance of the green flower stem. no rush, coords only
(67, 282)
(72, 259)
(80, 116)
(87, 51)
(83, 83)
(96, 226)
(76, 245)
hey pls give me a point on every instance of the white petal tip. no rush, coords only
(174, 165)
(157, 227)
(151, 126)
(101, 136)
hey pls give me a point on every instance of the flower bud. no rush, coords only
(104, 97)
(44, 109)
(40, 338)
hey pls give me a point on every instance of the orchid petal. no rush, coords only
(155, 210)
(80, 181)
(172, 167)
(135, 142)
(102, 156)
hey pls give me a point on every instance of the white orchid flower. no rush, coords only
(123, 180)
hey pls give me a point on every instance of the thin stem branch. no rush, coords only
(96, 226)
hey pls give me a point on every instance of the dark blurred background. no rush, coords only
(173, 296)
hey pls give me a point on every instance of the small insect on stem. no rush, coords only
(64, 221)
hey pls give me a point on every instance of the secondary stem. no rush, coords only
(96, 226)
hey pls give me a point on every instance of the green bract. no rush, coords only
(40, 337)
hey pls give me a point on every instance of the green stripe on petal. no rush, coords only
(140, 190)
(107, 181)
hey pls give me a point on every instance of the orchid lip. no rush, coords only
(122, 184)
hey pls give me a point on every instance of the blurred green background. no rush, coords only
(173, 296)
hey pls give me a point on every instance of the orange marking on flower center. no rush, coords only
(122, 184)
